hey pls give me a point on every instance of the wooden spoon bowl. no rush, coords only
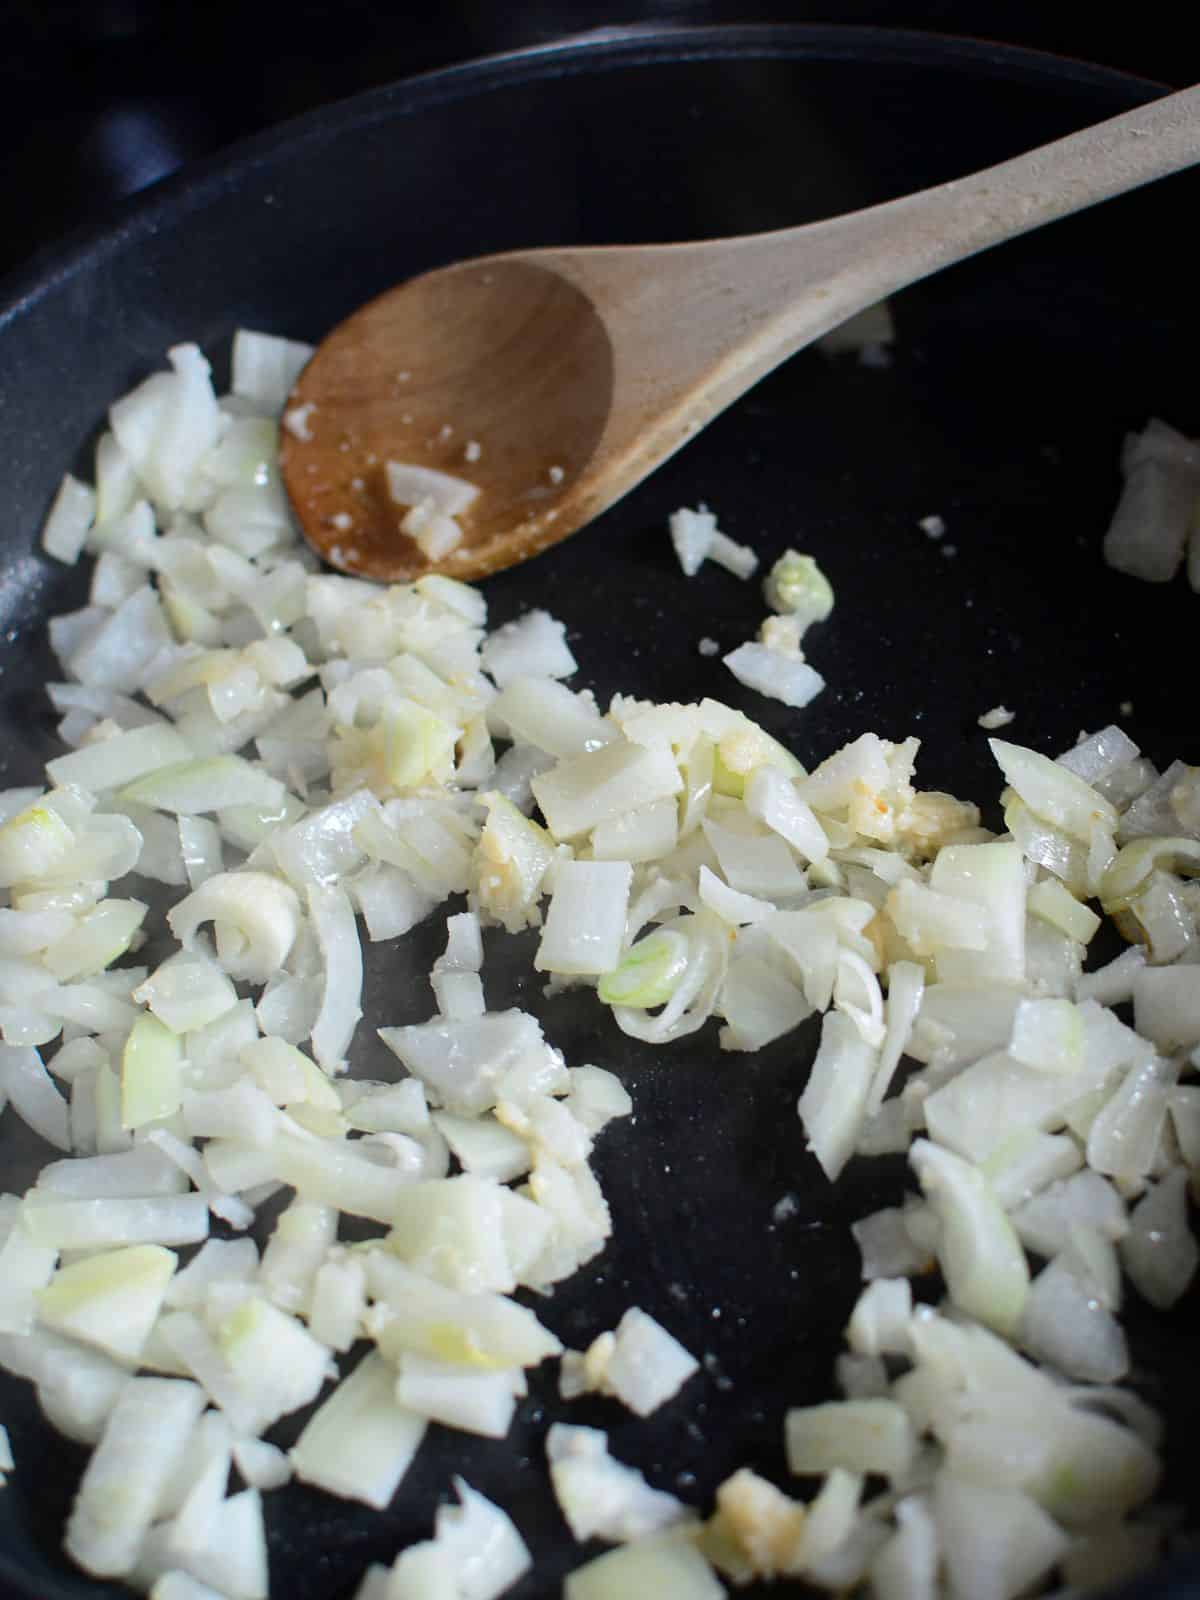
(497, 371)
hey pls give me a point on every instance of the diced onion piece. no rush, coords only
(771, 673)
(771, 798)
(666, 1565)
(1064, 1323)
(1099, 755)
(906, 1567)
(451, 1229)
(577, 794)
(602, 1497)
(151, 1073)
(32, 843)
(534, 646)
(796, 586)
(512, 858)
(104, 1224)
(585, 923)
(187, 991)
(273, 1355)
(1048, 1035)
(906, 986)
(25, 1267)
(120, 758)
(647, 1365)
(990, 876)
(1026, 1163)
(142, 1444)
(265, 367)
(980, 1256)
(1052, 791)
(861, 1436)
(1045, 1221)
(752, 864)
(1166, 1005)
(463, 1062)
(71, 515)
(691, 534)
(483, 1331)
(930, 922)
(997, 1542)
(109, 1300)
(360, 1442)
(834, 1101)
(25, 1083)
(648, 972)
(829, 1522)
(1123, 1138)
(257, 919)
(487, 1554)
(697, 539)
(409, 485)
(1153, 517)
(731, 905)
(644, 834)
(459, 1397)
(209, 784)
(1055, 904)
(337, 936)
(541, 712)
(759, 1004)
(1160, 1253)
(879, 1322)
(1135, 864)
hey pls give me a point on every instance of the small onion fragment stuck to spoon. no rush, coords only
(553, 381)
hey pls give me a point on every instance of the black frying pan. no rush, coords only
(1014, 378)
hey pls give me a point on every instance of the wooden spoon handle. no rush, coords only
(906, 239)
(762, 297)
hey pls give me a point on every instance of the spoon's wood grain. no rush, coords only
(555, 380)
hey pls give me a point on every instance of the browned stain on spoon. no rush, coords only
(478, 359)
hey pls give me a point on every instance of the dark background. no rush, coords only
(100, 97)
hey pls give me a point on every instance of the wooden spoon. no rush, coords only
(555, 380)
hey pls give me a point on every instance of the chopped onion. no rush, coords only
(409, 485)
(361, 1441)
(772, 673)
(860, 1436)
(535, 646)
(142, 1444)
(601, 1497)
(834, 1102)
(665, 1564)
(980, 1255)
(1159, 1252)
(585, 924)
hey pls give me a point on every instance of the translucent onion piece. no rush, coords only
(834, 1101)
(257, 918)
(360, 1442)
(333, 921)
(667, 1565)
(981, 1258)
(1160, 1253)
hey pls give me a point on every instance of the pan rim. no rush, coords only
(177, 195)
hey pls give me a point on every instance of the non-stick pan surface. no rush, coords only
(1013, 380)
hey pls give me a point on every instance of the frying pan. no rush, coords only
(1013, 379)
